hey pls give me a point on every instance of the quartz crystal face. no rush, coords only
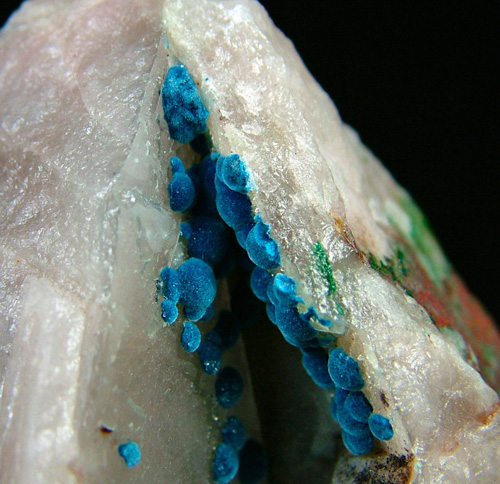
(207, 277)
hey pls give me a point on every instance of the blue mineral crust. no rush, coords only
(228, 387)
(381, 427)
(191, 337)
(225, 464)
(234, 433)
(131, 453)
(344, 370)
(184, 111)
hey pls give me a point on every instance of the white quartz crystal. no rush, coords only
(85, 228)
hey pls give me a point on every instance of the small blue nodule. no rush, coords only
(315, 362)
(380, 427)
(228, 328)
(182, 192)
(169, 311)
(284, 290)
(233, 172)
(171, 286)
(228, 387)
(183, 109)
(253, 462)
(225, 464)
(191, 337)
(259, 281)
(262, 248)
(357, 444)
(350, 425)
(131, 453)
(344, 370)
(177, 165)
(234, 433)
(234, 208)
(210, 356)
(358, 406)
(296, 330)
(198, 287)
(271, 313)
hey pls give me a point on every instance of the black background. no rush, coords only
(420, 82)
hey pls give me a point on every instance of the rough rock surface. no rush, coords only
(86, 227)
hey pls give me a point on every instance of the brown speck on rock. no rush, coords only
(105, 430)
(383, 399)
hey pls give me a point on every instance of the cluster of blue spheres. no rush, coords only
(221, 233)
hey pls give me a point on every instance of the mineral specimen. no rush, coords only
(158, 154)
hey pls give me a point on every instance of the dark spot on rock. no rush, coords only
(105, 430)
(384, 400)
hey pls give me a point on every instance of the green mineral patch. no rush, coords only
(340, 308)
(322, 264)
(429, 252)
(396, 267)
(412, 224)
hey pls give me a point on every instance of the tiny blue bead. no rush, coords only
(233, 172)
(171, 286)
(259, 280)
(296, 330)
(358, 406)
(234, 208)
(225, 464)
(253, 463)
(315, 362)
(344, 370)
(182, 192)
(271, 294)
(358, 445)
(380, 427)
(262, 248)
(228, 387)
(350, 425)
(284, 289)
(228, 328)
(210, 357)
(242, 236)
(271, 313)
(183, 108)
(198, 287)
(185, 230)
(177, 165)
(169, 311)
(131, 453)
(234, 433)
(191, 337)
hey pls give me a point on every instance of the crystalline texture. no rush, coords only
(86, 227)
